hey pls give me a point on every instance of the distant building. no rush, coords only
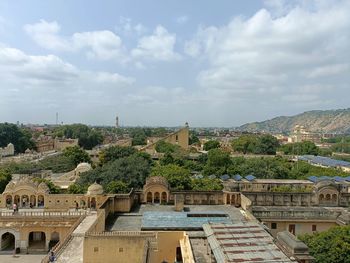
(300, 134)
(117, 122)
(9, 150)
(180, 138)
(47, 143)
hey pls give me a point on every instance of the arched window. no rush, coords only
(156, 197)
(36, 240)
(8, 241)
(149, 197)
(164, 197)
(41, 201)
(321, 197)
(334, 197)
(328, 197)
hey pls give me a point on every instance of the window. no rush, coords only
(121, 249)
(273, 225)
(95, 249)
(314, 227)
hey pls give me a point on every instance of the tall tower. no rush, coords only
(56, 118)
(117, 122)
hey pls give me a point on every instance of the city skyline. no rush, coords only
(162, 64)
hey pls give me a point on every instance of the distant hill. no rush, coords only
(327, 121)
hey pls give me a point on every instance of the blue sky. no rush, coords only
(162, 63)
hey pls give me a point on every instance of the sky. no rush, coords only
(163, 63)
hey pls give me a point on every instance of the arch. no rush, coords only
(8, 241)
(16, 200)
(41, 201)
(82, 203)
(149, 197)
(321, 197)
(233, 199)
(334, 197)
(24, 200)
(156, 198)
(9, 200)
(55, 238)
(328, 197)
(32, 201)
(228, 201)
(93, 203)
(164, 197)
(36, 240)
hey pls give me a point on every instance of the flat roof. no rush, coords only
(181, 220)
(243, 242)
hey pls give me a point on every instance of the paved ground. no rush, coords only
(21, 258)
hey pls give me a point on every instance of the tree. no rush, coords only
(165, 147)
(5, 178)
(20, 138)
(117, 187)
(193, 138)
(256, 144)
(218, 162)
(212, 144)
(178, 177)
(300, 148)
(267, 144)
(52, 187)
(331, 246)
(76, 189)
(139, 136)
(77, 155)
(131, 170)
(206, 184)
(87, 137)
(57, 163)
(115, 152)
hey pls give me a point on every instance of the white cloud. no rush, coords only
(158, 46)
(127, 27)
(263, 58)
(46, 35)
(38, 81)
(103, 45)
(182, 19)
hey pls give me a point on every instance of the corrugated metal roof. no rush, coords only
(242, 242)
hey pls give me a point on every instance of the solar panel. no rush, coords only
(250, 177)
(237, 177)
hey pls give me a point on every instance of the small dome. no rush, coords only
(82, 167)
(95, 189)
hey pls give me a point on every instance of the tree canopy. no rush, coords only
(212, 144)
(331, 246)
(256, 144)
(5, 178)
(131, 170)
(115, 152)
(300, 148)
(20, 138)
(77, 155)
(87, 137)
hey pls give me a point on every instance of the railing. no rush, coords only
(296, 215)
(41, 214)
(123, 233)
(58, 248)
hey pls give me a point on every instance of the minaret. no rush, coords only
(117, 122)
